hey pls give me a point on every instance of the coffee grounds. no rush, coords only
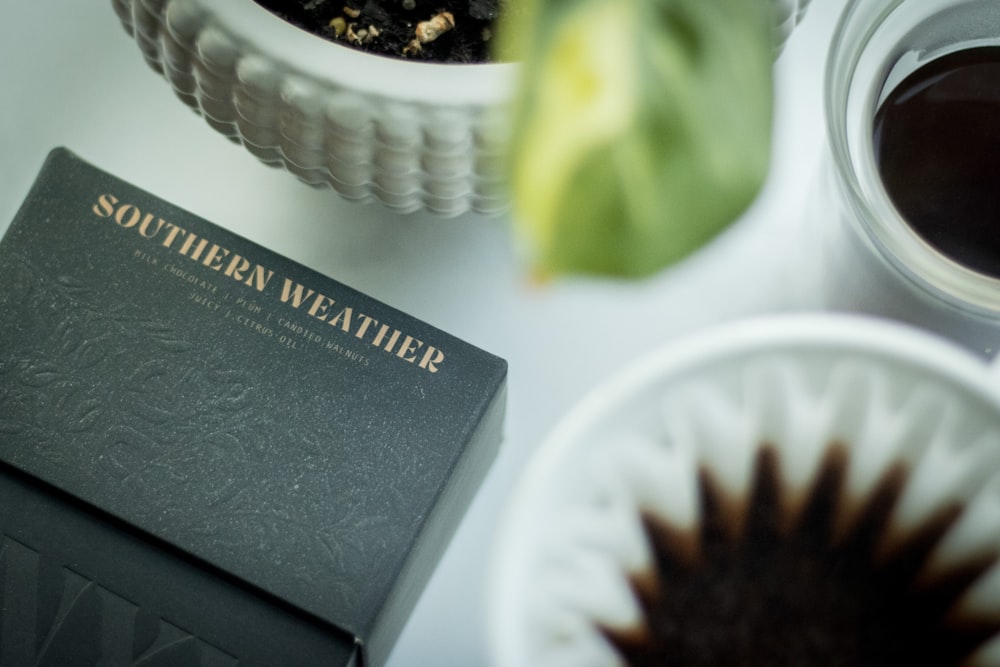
(754, 587)
(390, 27)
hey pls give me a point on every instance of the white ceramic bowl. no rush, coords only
(412, 135)
(887, 393)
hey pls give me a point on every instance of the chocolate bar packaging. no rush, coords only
(209, 454)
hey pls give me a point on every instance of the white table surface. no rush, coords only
(70, 76)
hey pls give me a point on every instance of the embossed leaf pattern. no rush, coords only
(43, 388)
(72, 284)
(85, 414)
(10, 426)
(176, 418)
(163, 391)
(165, 336)
(40, 374)
(49, 398)
(11, 405)
(232, 389)
(59, 379)
(85, 351)
(19, 291)
(128, 452)
(92, 351)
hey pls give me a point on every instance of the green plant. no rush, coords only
(641, 128)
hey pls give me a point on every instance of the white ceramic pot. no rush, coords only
(892, 397)
(412, 135)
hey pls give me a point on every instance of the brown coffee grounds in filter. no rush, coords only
(753, 586)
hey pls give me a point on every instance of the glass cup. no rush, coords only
(872, 260)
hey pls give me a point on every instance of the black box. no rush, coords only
(209, 454)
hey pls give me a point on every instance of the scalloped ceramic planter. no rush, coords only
(411, 135)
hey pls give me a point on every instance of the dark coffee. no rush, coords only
(825, 586)
(937, 145)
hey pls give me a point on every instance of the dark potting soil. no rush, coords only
(447, 31)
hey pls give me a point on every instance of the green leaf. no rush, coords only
(641, 128)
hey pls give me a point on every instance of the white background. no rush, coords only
(70, 76)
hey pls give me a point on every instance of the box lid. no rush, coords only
(271, 422)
